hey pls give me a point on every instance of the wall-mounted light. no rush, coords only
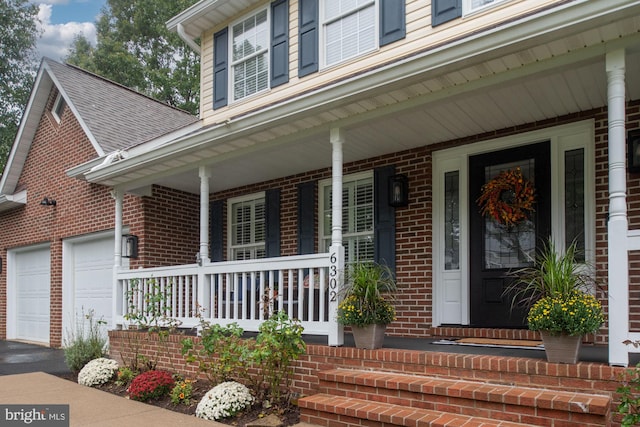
(48, 202)
(398, 190)
(633, 151)
(129, 246)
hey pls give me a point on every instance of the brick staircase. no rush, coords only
(354, 397)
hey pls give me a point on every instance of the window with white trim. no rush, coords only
(349, 29)
(250, 55)
(357, 216)
(247, 227)
(58, 107)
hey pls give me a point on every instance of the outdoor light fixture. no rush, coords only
(129, 246)
(48, 202)
(633, 151)
(398, 190)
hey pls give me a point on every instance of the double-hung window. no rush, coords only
(349, 29)
(247, 227)
(357, 217)
(250, 55)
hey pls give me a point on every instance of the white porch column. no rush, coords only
(203, 255)
(116, 290)
(336, 252)
(618, 271)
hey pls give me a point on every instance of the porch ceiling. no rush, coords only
(543, 81)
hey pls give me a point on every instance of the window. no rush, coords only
(349, 29)
(247, 227)
(452, 220)
(357, 217)
(475, 5)
(250, 58)
(58, 107)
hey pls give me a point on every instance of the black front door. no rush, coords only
(497, 248)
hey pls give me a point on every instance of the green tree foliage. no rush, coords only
(18, 36)
(135, 49)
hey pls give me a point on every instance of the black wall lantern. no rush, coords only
(129, 246)
(633, 151)
(398, 190)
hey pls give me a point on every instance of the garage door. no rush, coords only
(92, 273)
(32, 291)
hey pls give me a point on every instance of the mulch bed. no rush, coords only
(289, 414)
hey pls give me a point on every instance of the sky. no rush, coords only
(62, 20)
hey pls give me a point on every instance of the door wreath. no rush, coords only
(507, 198)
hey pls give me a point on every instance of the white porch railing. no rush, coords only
(244, 292)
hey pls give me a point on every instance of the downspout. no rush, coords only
(188, 40)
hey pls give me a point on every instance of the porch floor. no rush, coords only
(588, 352)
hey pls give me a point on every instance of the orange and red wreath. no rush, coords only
(507, 198)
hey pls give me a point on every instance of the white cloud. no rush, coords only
(57, 38)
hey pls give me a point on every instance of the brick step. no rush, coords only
(514, 403)
(327, 410)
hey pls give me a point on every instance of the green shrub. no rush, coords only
(629, 406)
(86, 342)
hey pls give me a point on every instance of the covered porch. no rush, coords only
(529, 76)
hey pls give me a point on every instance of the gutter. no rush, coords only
(188, 40)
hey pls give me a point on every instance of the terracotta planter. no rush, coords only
(370, 336)
(561, 348)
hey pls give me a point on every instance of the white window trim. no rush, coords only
(562, 139)
(56, 104)
(467, 8)
(321, 39)
(231, 70)
(230, 203)
(327, 183)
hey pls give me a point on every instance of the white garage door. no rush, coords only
(91, 283)
(32, 291)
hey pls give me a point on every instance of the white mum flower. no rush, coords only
(98, 371)
(223, 401)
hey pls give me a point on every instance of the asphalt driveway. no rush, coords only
(20, 358)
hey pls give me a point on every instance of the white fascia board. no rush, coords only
(81, 171)
(561, 20)
(30, 116)
(10, 201)
(193, 12)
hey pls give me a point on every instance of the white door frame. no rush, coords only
(562, 138)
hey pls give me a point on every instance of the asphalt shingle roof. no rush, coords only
(117, 117)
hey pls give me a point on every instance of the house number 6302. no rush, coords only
(333, 278)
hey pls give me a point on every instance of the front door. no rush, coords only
(497, 246)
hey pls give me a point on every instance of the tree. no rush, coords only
(135, 49)
(18, 36)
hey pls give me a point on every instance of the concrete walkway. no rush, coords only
(89, 406)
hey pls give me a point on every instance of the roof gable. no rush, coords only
(112, 116)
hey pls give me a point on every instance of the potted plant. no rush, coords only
(557, 290)
(367, 303)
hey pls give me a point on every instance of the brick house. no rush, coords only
(57, 231)
(306, 101)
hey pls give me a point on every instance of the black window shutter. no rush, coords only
(220, 68)
(306, 218)
(444, 11)
(279, 42)
(384, 219)
(216, 230)
(272, 220)
(308, 21)
(392, 21)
